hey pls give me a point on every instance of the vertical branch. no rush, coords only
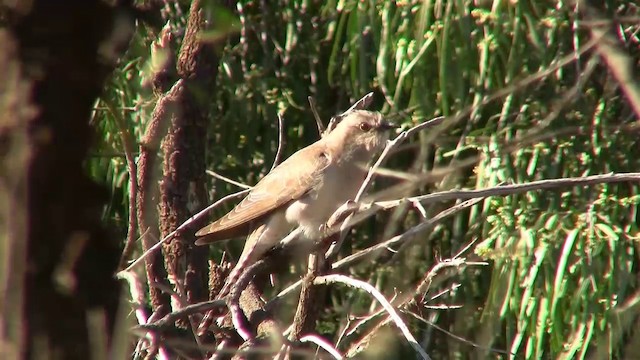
(147, 195)
(182, 188)
(309, 304)
(132, 168)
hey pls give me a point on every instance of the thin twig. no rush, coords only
(170, 318)
(281, 141)
(137, 295)
(402, 237)
(128, 145)
(459, 338)
(314, 111)
(226, 179)
(454, 262)
(392, 145)
(366, 210)
(361, 104)
(195, 217)
(336, 278)
(323, 344)
(512, 189)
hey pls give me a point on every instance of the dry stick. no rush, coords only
(352, 258)
(323, 344)
(361, 104)
(181, 299)
(314, 111)
(391, 146)
(306, 312)
(457, 337)
(281, 140)
(233, 300)
(475, 196)
(438, 173)
(170, 318)
(508, 190)
(453, 262)
(505, 190)
(336, 278)
(127, 142)
(226, 179)
(137, 295)
(429, 278)
(480, 194)
(407, 298)
(195, 217)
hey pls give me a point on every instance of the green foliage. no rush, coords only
(564, 264)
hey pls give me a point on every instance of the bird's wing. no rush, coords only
(287, 182)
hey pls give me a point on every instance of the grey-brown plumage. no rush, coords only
(303, 191)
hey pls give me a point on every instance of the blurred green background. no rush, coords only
(537, 103)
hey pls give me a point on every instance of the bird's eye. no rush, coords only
(365, 127)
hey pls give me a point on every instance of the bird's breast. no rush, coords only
(337, 185)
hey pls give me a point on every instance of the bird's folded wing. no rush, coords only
(287, 182)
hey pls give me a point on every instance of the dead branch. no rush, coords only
(336, 278)
(187, 223)
(169, 319)
(323, 344)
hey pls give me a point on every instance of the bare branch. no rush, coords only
(314, 110)
(281, 141)
(336, 278)
(132, 169)
(192, 219)
(169, 319)
(137, 295)
(361, 104)
(505, 190)
(459, 338)
(226, 179)
(323, 344)
(402, 237)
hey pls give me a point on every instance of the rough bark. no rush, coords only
(182, 190)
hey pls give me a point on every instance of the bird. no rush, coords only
(303, 191)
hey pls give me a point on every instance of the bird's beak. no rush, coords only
(386, 125)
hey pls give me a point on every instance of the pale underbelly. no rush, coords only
(314, 209)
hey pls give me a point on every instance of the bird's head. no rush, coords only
(362, 131)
